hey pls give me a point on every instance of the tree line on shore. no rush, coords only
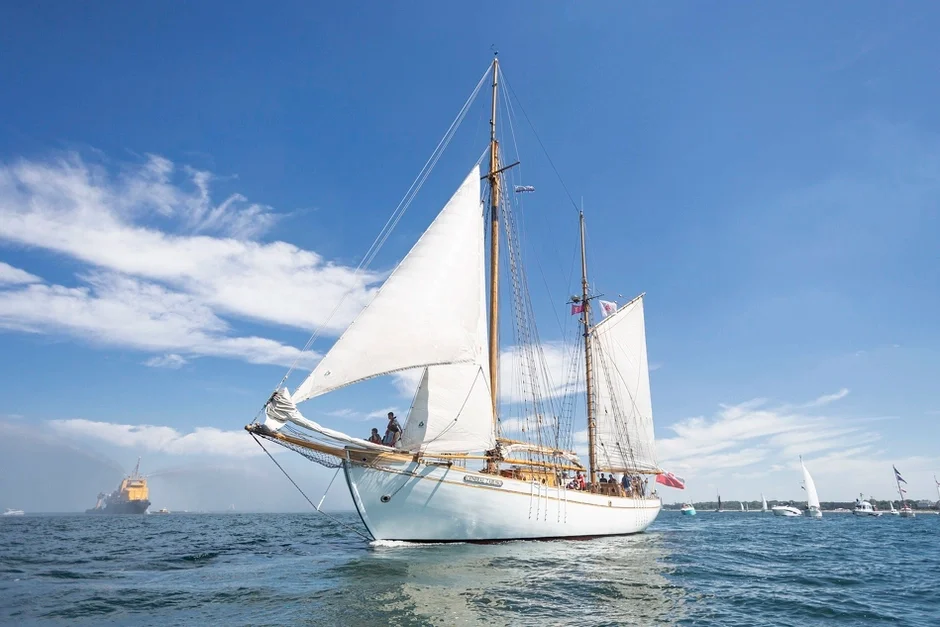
(826, 505)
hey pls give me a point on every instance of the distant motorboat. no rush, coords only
(163, 510)
(687, 509)
(787, 511)
(865, 508)
(812, 499)
(14, 512)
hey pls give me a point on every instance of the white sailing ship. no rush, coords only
(812, 499)
(763, 503)
(453, 476)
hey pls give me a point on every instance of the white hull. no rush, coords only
(434, 503)
(814, 512)
(906, 513)
(786, 511)
(862, 512)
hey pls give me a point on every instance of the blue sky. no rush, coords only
(768, 175)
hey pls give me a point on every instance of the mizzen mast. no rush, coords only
(493, 178)
(588, 357)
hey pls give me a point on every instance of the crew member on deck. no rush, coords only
(375, 438)
(393, 431)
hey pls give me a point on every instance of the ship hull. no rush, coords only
(126, 507)
(417, 502)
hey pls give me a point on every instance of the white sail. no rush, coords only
(452, 411)
(763, 505)
(623, 407)
(430, 310)
(812, 499)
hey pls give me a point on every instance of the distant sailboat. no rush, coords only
(741, 503)
(905, 511)
(718, 509)
(763, 503)
(893, 511)
(938, 493)
(812, 499)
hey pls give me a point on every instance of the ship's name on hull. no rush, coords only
(493, 483)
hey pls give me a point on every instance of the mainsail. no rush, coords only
(812, 499)
(430, 313)
(624, 412)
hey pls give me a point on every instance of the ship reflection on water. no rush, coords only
(620, 580)
(131, 497)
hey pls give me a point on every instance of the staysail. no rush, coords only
(623, 406)
(763, 503)
(812, 499)
(452, 411)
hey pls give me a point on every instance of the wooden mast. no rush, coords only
(588, 357)
(494, 251)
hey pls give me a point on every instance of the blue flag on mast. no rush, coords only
(898, 475)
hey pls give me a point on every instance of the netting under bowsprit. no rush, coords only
(329, 461)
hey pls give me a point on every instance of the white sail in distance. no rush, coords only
(812, 499)
(428, 311)
(623, 405)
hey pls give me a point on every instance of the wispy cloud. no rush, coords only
(120, 311)
(756, 445)
(200, 441)
(151, 229)
(170, 360)
(14, 276)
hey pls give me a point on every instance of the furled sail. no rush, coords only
(812, 499)
(280, 410)
(430, 310)
(623, 407)
(452, 411)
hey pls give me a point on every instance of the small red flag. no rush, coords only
(669, 479)
(576, 308)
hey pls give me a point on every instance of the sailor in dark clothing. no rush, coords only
(393, 431)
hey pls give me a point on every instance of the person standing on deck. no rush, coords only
(393, 431)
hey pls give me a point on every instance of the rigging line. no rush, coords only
(539, 139)
(302, 493)
(392, 221)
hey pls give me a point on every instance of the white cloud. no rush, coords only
(825, 399)
(200, 441)
(116, 310)
(552, 373)
(14, 276)
(111, 221)
(754, 447)
(170, 360)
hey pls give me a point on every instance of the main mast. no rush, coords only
(588, 358)
(494, 250)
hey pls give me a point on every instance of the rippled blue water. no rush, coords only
(253, 569)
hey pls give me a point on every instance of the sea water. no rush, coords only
(281, 569)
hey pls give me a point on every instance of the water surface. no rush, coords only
(275, 569)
